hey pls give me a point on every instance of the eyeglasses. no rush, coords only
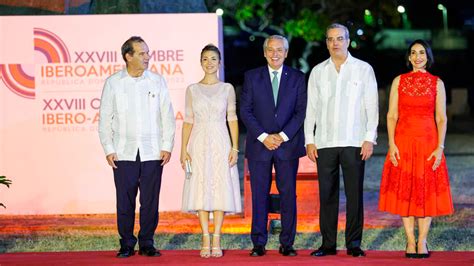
(337, 39)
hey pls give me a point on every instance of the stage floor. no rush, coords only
(233, 257)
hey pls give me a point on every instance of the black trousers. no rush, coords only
(352, 165)
(129, 177)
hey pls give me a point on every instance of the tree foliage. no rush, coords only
(6, 182)
(115, 7)
(308, 19)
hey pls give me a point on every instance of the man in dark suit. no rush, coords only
(273, 106)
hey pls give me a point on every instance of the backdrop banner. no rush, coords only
(52, 71)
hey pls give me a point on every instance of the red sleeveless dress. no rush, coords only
(413, 188)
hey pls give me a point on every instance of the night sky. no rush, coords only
(424, 14)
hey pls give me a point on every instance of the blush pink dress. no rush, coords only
(213, 184)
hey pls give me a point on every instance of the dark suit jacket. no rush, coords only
(259, 113)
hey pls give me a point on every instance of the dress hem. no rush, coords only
(418, 216)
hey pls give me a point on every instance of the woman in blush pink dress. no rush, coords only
(214, 183)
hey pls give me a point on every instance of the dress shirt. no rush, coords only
(282, 134)
(136, 114)
(342, 106)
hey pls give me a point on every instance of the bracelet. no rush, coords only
(441, 146)
(235, 150)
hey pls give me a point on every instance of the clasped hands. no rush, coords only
(273, 141)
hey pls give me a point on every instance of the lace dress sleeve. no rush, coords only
(188, 106)
(231, 105)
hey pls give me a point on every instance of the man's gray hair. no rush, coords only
(276, 37)
(338, 26)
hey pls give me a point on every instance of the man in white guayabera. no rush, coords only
(340, 130)
(136, 129)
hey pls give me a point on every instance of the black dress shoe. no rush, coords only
(323, 252)
(287, 251)
(257, 251)
(125, 252)
(356, 252)
(149, 252)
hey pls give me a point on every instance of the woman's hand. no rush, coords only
(394, 154)
(184, 156)
(233, 157)
(437, 154)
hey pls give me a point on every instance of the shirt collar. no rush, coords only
(125, 74)
(270, 70)
(349, 59)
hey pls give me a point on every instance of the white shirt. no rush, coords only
(136, 114)
(343, 106)
(271, 70)
(282, 134)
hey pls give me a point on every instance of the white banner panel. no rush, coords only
(52, 70)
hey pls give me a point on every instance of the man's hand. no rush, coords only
(165, 156)
(279, 138)
(312, 152)
(273, 141)
(111, 158)
(367, 150)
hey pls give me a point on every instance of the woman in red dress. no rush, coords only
(415, 182)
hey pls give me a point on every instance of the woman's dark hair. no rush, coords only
(127, 46)
(429, 53)
(213, 48)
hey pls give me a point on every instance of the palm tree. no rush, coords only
(6, 182)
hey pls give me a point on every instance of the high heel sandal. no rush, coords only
(216, 250)
(205, 250)
(411, 255)
(424, 255)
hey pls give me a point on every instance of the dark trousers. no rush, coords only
(129, 177)
(329, 160)
(260, 182)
